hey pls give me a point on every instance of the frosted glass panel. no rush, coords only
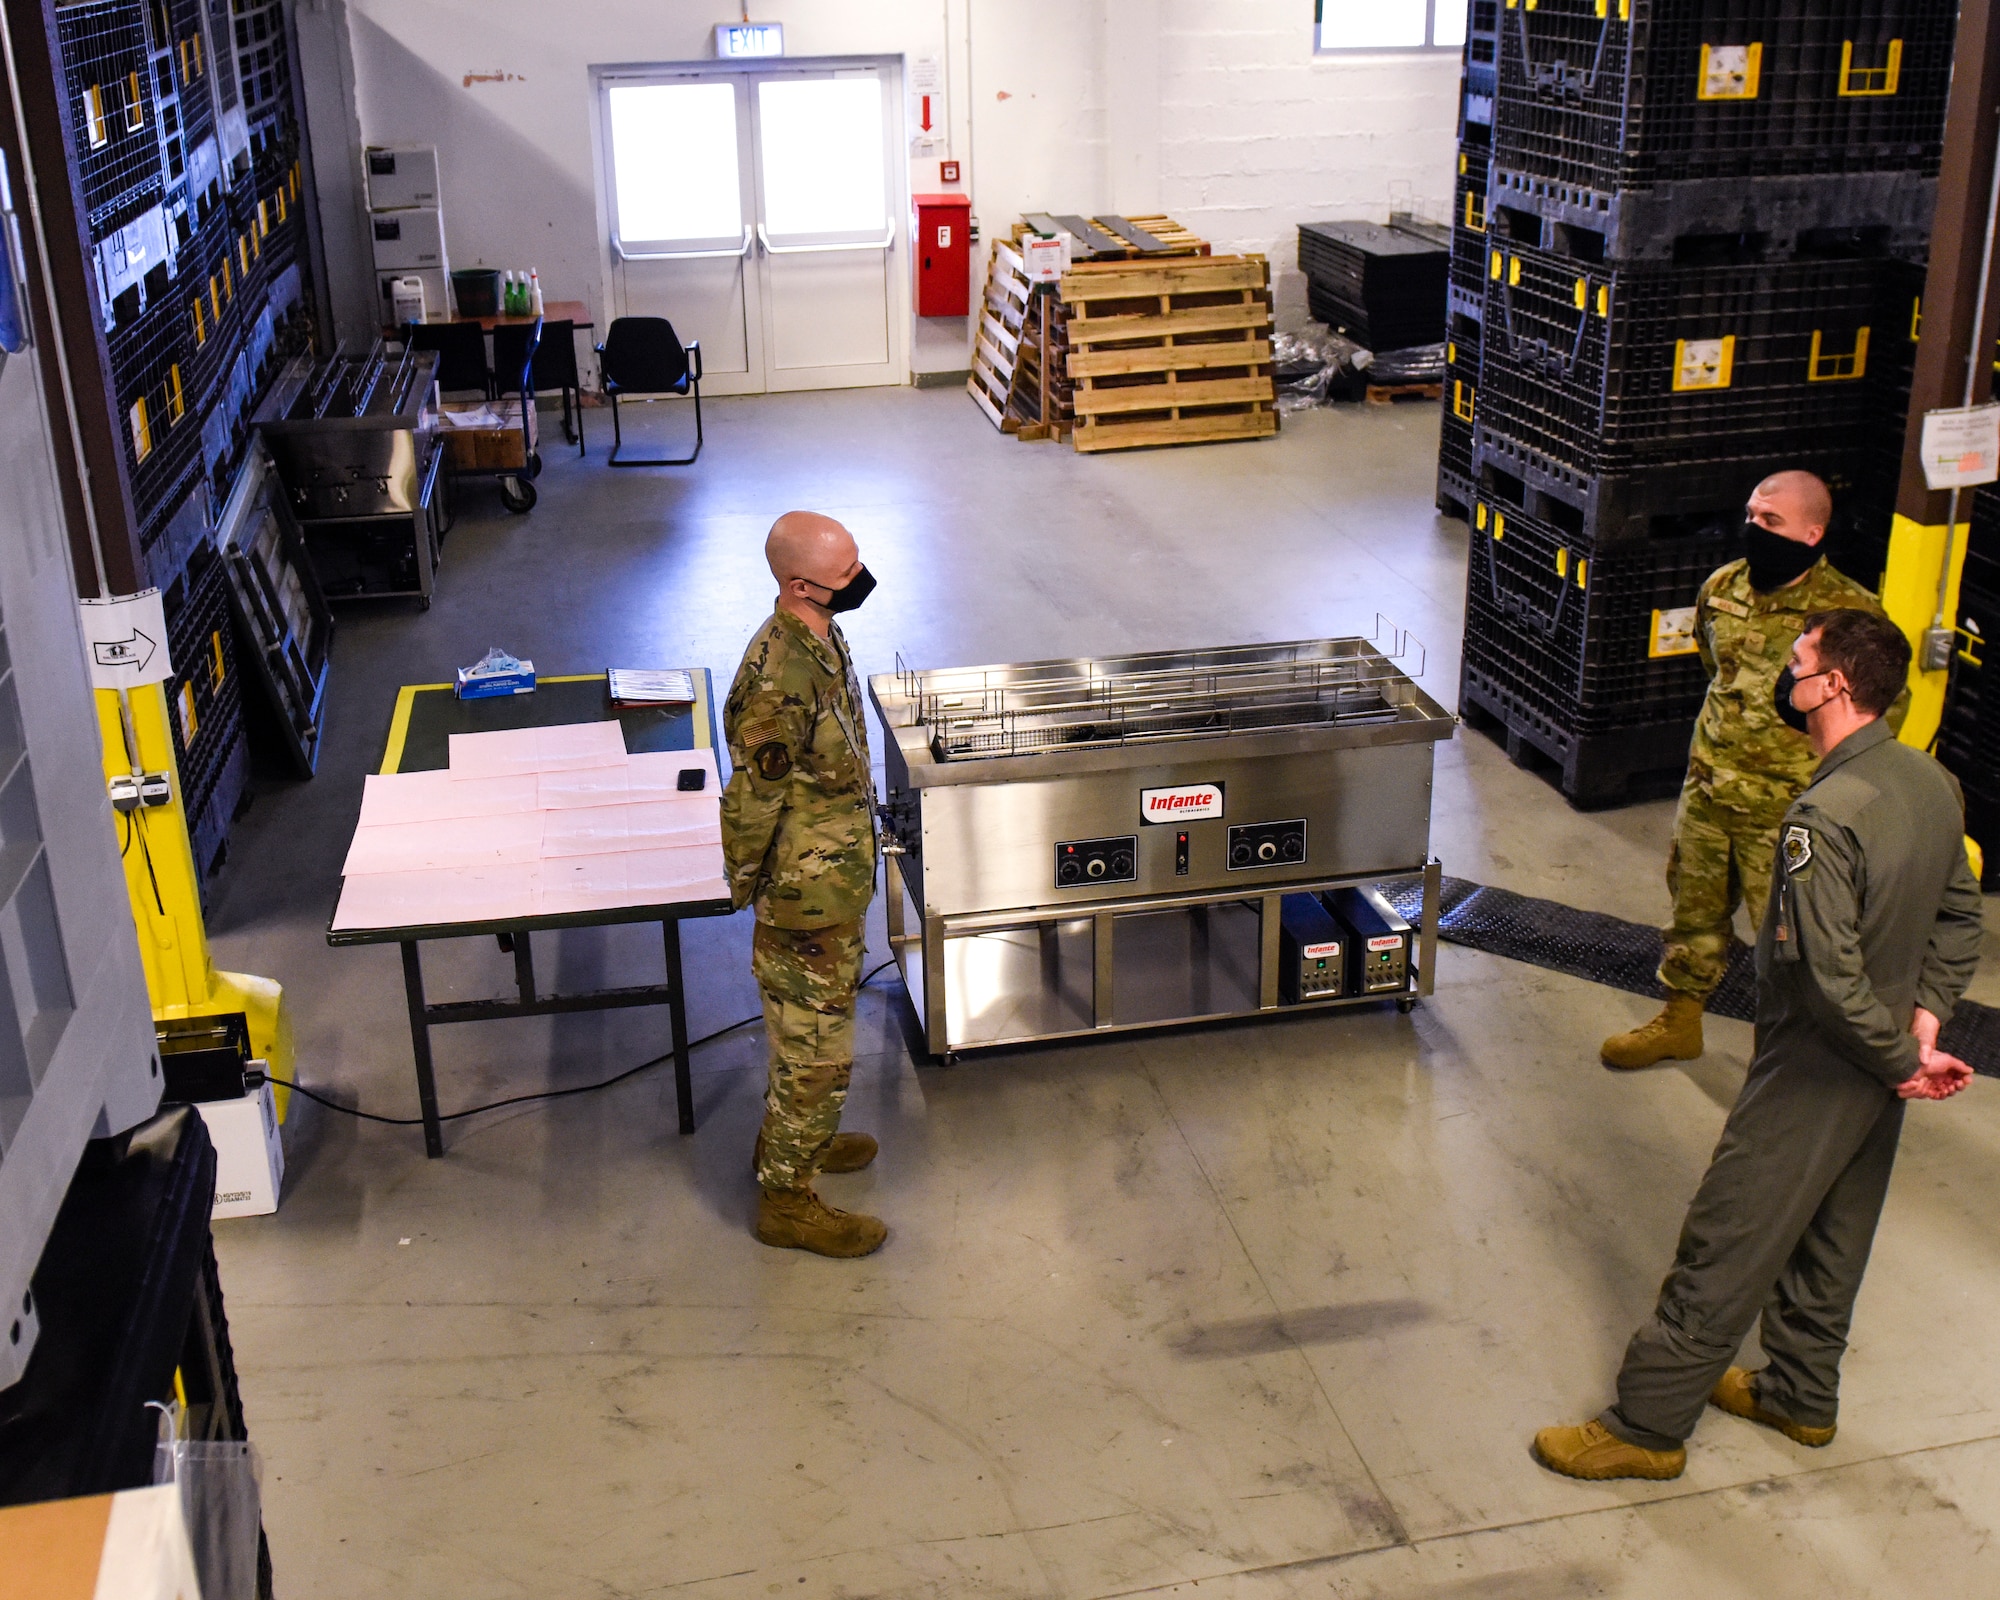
(822, 147)
(1449, 26)
(673, 149)
(1373, 24)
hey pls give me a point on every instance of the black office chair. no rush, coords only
(642, 359)
(553, 367)
(461, 348)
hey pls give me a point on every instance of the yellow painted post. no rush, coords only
(164, 886)
(1910, 596)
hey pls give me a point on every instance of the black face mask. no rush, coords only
(1775, 560)
(1781, 698)
(850, 594)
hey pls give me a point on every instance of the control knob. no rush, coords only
(1096, 867)
(1268, 850)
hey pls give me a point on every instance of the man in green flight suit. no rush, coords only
(1871, 933)
(798, 843)
(1745, 766)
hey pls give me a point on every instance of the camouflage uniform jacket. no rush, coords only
(798, 815)
(1743, 755)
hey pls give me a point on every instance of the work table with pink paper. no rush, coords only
(527, 823)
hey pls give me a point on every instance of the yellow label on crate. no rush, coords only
(1866, 81)
(1673, 633)
(1582, 572)
(1582, 294)
(1493, 272)
(1835, 366)
(184, 704)
(1729, 71)
(1562, 562)
(1462, 400)
(1479, 515)
(1604, 299)
(218, 669)
(1499, 524)
(1703, 363)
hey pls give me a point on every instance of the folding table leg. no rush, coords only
(420, 1047)
(677, 1012)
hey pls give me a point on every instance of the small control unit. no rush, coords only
(1267, 844)
(1310, 952)
(1087, 861)
(1378, 941)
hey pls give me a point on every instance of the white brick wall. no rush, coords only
(1215, 111)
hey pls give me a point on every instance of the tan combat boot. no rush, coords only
(797, 1219)
(849, 1152)
(1594, 1451)
(1737, 1394)
(1674, 1035)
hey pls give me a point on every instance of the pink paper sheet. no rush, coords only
(564, 747)
(441, 797)
(419, 899)
(653, 824)
(634, 878)
(459, 842)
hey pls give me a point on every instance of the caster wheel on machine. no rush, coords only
(534, 463)
(1406, 1006)
(517, 495)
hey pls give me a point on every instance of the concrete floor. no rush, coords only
(1273, 1310)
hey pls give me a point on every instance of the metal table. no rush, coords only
(426, 715)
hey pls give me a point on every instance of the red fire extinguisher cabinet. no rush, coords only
(941, 244)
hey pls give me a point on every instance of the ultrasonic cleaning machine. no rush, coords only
(1076, 847)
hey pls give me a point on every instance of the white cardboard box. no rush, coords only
(401, 175)
(249, 1153)
(407, 239)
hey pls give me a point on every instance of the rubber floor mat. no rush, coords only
(1626, 955)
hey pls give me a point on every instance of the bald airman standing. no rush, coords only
(798, 842)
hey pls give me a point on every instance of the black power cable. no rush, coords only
(544, 1094)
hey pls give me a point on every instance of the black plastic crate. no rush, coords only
(1481, 73)
(113, 121)
(1461, 400)
(262, 59)
(1610, 368)
(1969, 731)
(1636, 93)
(205, 702)
(1467, 275)
(1595, 639)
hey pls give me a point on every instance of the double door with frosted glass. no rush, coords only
(756, 212)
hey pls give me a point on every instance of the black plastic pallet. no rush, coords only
(1593, 770)
(1634, 93)
(1480, 76)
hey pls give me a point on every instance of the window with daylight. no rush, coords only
(1344, 26)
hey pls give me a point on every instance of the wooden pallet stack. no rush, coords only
(1169, 352)
(1020, 360)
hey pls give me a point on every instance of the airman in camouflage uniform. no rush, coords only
(1745, 765)
(798, 840)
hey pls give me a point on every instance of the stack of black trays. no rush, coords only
(1694, 255)
(1384, 287)
(188, 150)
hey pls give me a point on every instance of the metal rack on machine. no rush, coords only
(1087, 846)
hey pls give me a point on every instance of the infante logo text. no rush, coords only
(1189, 803)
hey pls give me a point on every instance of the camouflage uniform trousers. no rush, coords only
(808, 978)
(1721, 858)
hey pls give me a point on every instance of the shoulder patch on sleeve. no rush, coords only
(1797, 847)
(1729, 607)
(763, 731)
(772, 760)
